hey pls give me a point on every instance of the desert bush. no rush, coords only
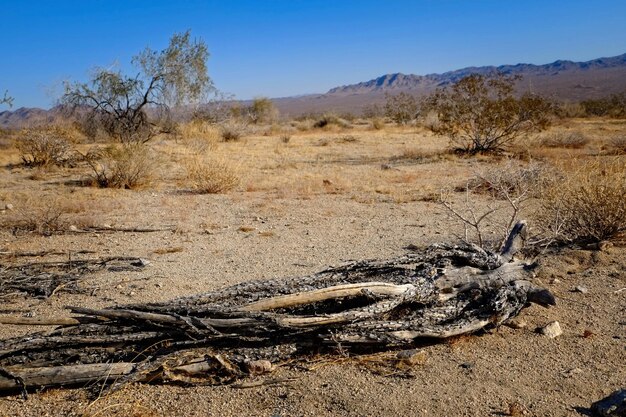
(127, 166)
(617, 145)
(481, 114)
(372, 111)
(378, 123)
(45, 148)
(303, 125)
(569, 110)
(232, 130)
(430, 120)
(585, 203)
(199, 129)
(45, 215)
(571, 140)
(612, 106)
(285, 138)
(329, 120)
(210, 175)
(402, 108)
(262, 110)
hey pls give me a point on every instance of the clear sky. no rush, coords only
(288, 47)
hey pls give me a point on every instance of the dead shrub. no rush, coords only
(210, 176)
(128, 166)
(378, 123)
(45, 215)
(327, 121)
(232, 131)
(199, 130)
(43, 148)
(617, 145)
(567, 140)
(585, 203)
(507, 189)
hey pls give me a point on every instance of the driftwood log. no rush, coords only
(440, 292)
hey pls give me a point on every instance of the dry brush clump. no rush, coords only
(585, 202)
(402, 108)
(492, 201)
(233, 130)
(210, 175)
(45, 214)
(565, 140)
(617, 145)
(329, 121)
(128, 166)
(44, 148)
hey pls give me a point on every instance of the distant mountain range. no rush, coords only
(562, 80)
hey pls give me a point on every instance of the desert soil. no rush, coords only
(260, 232)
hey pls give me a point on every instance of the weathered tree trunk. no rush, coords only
(441, 292)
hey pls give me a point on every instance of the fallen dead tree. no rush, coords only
(219, 336)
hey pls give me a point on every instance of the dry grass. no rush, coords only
(565, 140)
(129, 166)
(199, 130)
(233, 130)
(585, 203)
(210, 175)
(164, 251)
(617, 145)
(46, 214)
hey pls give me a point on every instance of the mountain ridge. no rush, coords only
(562, 79)
(413, 81)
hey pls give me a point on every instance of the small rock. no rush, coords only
(571, 372)
(612, 406)
(73, 228)
(158, 285)
(411, 357)
(555, 281)
(132, 293)
(551, 330)
(119, 287)
(258, 367)
(581, 289)
(516, 324)
(107, 226)
(8, 206)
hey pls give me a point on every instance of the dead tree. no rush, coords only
(440, 292)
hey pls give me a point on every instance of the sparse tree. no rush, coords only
(402, 108)
(482, 114)
(135, 108)
(262, 110)
(6, 99)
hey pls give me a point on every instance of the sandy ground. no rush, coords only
(298, 225)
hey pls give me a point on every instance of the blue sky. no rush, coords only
(287, 47)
